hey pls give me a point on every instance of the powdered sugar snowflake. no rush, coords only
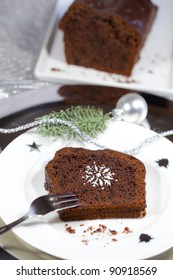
(98, 175)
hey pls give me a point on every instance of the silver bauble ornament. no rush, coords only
(133, 107)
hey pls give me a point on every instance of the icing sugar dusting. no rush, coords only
(98, 175)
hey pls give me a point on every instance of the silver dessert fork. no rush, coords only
(43, 205)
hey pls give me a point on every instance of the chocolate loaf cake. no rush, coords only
(107, 34)
(109, 184)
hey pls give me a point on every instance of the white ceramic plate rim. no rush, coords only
(22, 174)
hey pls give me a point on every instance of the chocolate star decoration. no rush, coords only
(145, 237)
(34, 146)
(163, 162)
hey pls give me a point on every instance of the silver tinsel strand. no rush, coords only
(83, 135)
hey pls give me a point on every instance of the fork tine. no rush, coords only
(54, 197)
(68, 205)
(65, 201)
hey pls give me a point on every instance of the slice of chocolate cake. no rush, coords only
(107, 34)
(109, 184)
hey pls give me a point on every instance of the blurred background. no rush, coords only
(21, 39)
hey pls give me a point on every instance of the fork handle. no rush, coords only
(5, 228)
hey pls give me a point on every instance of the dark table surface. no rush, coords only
(160, 110)
(160, 116)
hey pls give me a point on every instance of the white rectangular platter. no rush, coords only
(153, 73)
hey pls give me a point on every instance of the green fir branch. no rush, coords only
(89, 120)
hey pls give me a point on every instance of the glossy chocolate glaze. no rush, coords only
(139, 13)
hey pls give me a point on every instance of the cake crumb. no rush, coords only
(127, 230)
(54, 69)
(71, 230)
(85, 241)
(113, 232)
(103, 227)
(114, 239)
(97, 230)
(90, 228)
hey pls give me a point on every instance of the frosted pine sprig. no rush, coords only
(89, 120)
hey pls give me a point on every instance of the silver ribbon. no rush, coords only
(83, 135)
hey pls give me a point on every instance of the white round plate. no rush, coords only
(22, 166)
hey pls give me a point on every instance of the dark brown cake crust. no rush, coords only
(109, 184)
(107, 34)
